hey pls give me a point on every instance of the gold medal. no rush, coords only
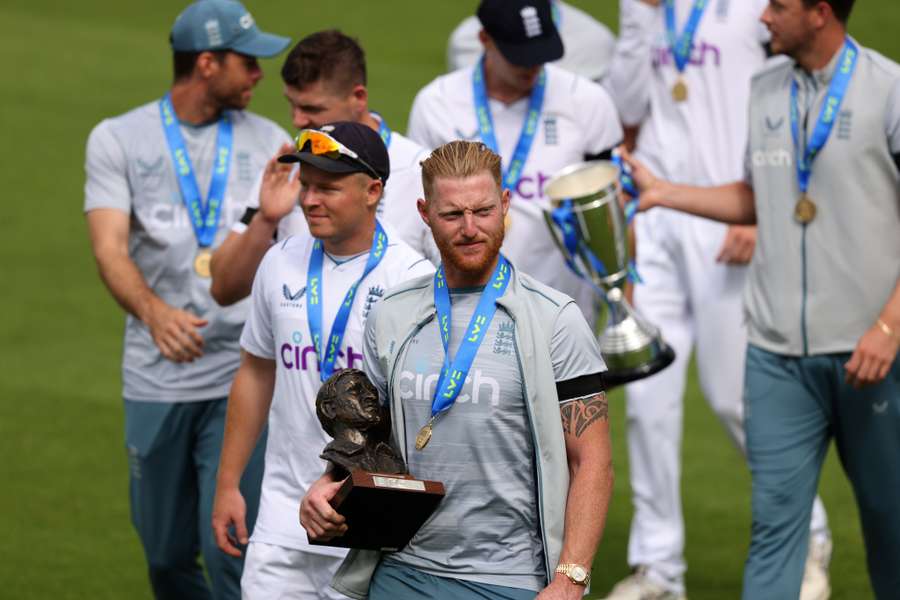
(424, 436)
(805, 210)
(680, 90)
(201, 263)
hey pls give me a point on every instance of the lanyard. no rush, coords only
(486, 124)
(383, 130)
(204, 215)
(314, 300)
(681, 44)
(840, 81)
(454, 373)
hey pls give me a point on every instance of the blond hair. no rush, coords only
(458, 160)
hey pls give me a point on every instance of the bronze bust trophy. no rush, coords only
(384, 506)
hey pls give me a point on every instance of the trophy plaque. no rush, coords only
(585, 199)
(384, 506)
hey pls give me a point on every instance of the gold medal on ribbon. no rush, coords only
(424, 435)
(680, 90)
(805, 210)
(201, 263)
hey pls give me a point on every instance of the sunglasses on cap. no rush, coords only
(322, 144)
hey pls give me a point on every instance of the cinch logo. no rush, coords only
(701, 55)
(532, 187)
(772, 158)
(173, 215)
(303, 358)
(478, 388)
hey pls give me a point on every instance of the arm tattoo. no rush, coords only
(578, 415)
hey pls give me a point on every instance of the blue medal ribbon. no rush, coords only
(681, 44)
(204, 215)
(383, 130)
(314, 300)
(454, 373)
(840, 82)
(513, 171)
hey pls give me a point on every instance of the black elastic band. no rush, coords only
(896, 156)
(248, 215)
(579, 387)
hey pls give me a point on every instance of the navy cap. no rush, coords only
(223, 25)
(523, 30)
(360, 138)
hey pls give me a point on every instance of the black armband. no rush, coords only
(579, 387)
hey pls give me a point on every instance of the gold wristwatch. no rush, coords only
(577, 574)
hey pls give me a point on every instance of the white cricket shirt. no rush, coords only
(278, 329)
(578, 119)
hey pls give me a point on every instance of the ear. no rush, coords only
(374, 192)
(207, 65)
(360, 94)
(422, 206)
(327, 406)
(484, 38)
(823, 14)
(504, 201)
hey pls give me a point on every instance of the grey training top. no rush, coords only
(487, 528)
(129, 168)
(817, 289)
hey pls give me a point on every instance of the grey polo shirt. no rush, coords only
(129, 168)
(817, 289)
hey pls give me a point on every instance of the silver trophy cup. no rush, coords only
(597, 247)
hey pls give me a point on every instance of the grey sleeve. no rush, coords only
(371, 365)
(892, 123)
(577, 364)
(106, 168)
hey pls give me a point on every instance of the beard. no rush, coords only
(472, 266)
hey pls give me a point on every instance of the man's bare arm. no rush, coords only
(732, 203)
(174, 331)
(248, 410)
(586, 428)
(234, 263)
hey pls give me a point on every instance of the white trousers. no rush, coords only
(697, 304)
(279, 573)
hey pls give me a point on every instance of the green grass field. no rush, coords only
(63, 506)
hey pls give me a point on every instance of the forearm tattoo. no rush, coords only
(579, 414)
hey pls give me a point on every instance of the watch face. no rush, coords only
(579, 573)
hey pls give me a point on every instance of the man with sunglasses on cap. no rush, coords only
(324, 81)
(160, 194)
(309, 303)
(538, 117)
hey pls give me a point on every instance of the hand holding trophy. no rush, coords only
(589, 226)
(383, 506)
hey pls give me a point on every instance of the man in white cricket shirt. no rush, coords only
(538, 117)
(324, 81)
(308, 288)
(692, 110)
(589, 44)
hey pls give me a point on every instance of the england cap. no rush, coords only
(523, 30)
(223, 25)
(360, 138)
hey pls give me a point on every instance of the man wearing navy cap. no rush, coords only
(538, 117)
(163, 184)
(342, 269)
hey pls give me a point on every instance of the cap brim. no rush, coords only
(329, 165)
(533, 52)
(263, 45)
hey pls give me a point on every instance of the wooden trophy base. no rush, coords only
(383, 512)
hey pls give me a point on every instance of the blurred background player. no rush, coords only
(822, 299)
(162, 181)
(538, 117)
(589, 44)
(692, 112)
(347, 248)
(324, 81)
